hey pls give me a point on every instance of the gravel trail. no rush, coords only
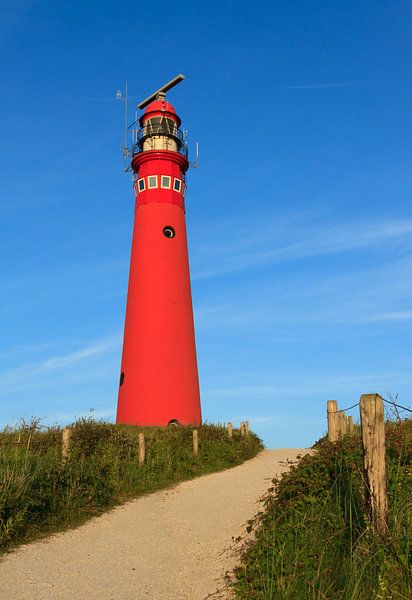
(170, 545)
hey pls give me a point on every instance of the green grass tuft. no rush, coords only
(313, 539)
(40, 494)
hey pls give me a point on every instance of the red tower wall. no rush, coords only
(159, 377)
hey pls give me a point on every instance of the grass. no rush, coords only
(313, 539)
(40, 494)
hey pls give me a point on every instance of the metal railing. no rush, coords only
(162, 129)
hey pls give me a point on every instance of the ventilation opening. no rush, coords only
(173, 423)
(169, 232)
(121, 378)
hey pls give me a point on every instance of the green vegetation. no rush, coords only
(39, 493)
(313, 539)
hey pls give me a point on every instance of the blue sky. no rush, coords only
(299, 217)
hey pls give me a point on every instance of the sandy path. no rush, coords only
(167, 545)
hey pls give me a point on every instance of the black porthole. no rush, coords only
(121, 378)
(169, 232)
(173, 423)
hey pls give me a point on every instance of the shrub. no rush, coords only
(313, 539)
(40, 493)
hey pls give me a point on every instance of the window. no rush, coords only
(169, 232)
(152, 181)
(177, 185)
(184, 190)
(141, 184)
(165, 182)
(161, 126)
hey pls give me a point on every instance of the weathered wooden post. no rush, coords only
(142, 450)
(374, 463)
(350, 426)
(332, 410)
(229, 430)
(342, 424)
(66, 437)
(242, 429)
(195, 442)
(16, 450)
(247, 428)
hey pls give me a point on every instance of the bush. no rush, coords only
(40, 493)
(313, 539)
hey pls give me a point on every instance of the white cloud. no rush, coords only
(231, 248)
(307, 384)
(353, 295)
(318, 86)
(400, 315)
(61, 361)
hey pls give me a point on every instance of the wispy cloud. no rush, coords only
(75, 283)
(400, 315)
(310, 384)
(272, 241)
(61, 361)
(278, 420)
(319, 86)
(367, 295)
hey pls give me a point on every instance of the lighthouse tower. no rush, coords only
(159, 382)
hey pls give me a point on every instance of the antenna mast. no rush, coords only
(125, 99)
(125, 117)
(127, 152)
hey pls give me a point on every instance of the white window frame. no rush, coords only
(152, 187)
(180, 185)
(165, 187)
(184, 188)
(138, 185)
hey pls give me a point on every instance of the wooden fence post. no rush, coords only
(350, 426)
(242, 429)
(142, 450)
(332, 410)
(247, 428)
(16, 450)
(229, 430)
(66, 436)
(195, 442)
(374, 464)
(342, 424)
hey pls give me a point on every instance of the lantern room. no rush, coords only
(159, 127)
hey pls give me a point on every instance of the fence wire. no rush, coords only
(397, 405)
(332, 412)
(384, 399)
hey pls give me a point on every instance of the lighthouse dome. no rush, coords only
(159, 108)
(159, 127)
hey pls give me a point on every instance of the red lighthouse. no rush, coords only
(159, 382)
